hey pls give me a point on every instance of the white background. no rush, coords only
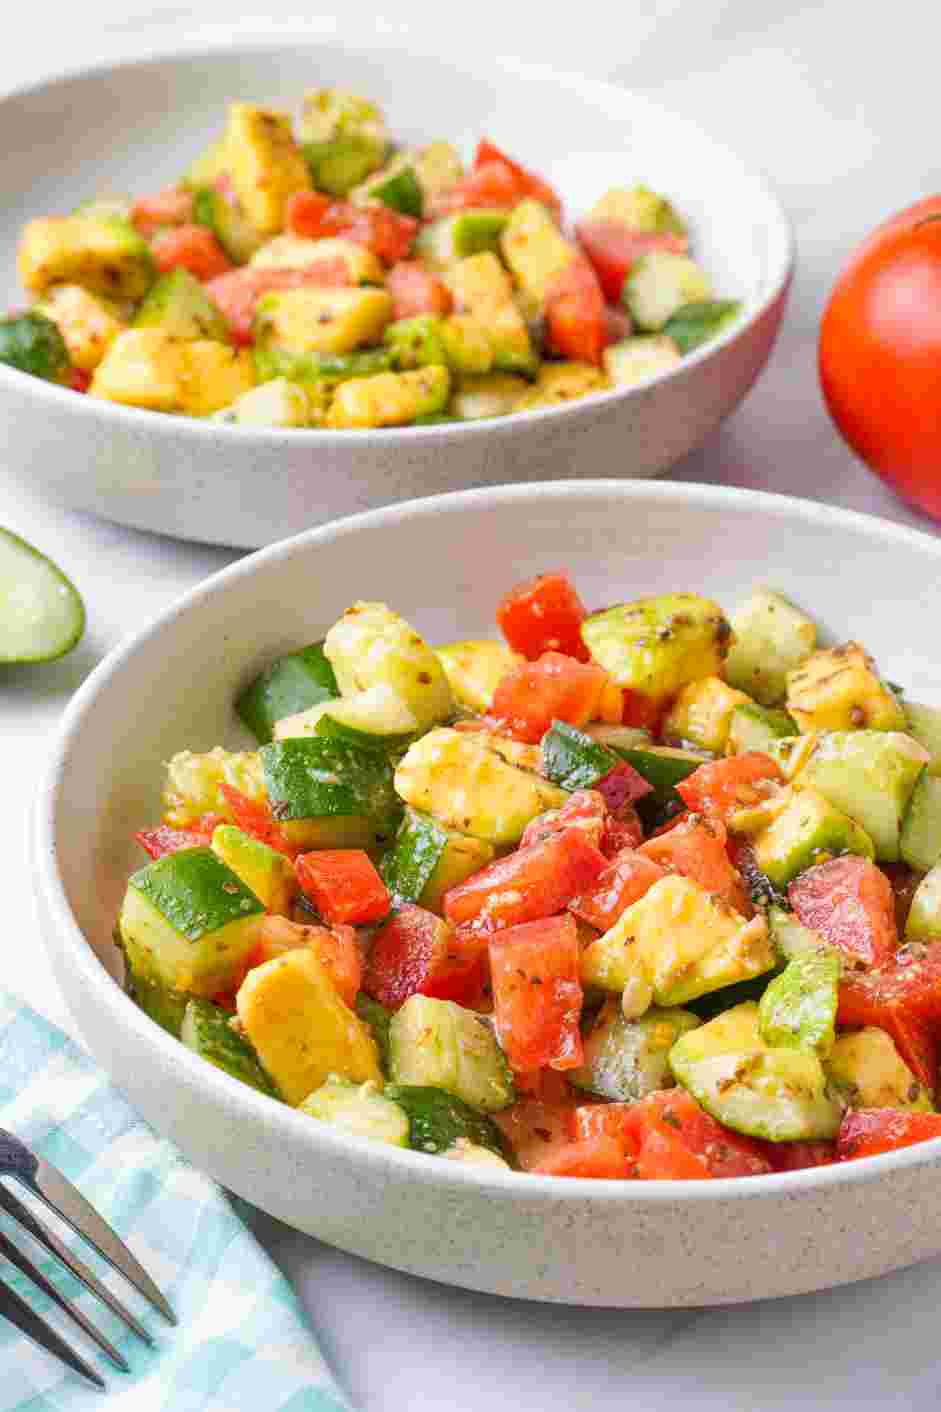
(837, 100)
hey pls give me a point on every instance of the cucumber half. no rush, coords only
(42, 615)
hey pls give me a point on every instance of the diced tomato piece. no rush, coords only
(721, 787)
(539, 1122)
(641, 710)
(490, 186)
(388, 234)
(626, 831)
(79, 380)
(556, 688)
(865, 1132)
(304, 214)
(695, 847)
(623, 785)
(416, 953)
(796, 1156)
(584, 809)
(678, 1139)
(192, 248)
(416, 290)
(576, 323)
(537, 994)
(343, 885)
(534, 882)
(600, 1157)
(591, 1121)
(254, 816)
(622, 883)
(336, 947)
(528, 184)
(162, 840)
(543, 614)
(170, 207)
(619, 322)
(613, 249)
(849, 902)
(902, 997)
(235, 294)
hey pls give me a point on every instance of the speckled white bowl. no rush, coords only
(443, 562)
(136, 126)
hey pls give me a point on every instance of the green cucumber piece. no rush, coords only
(178, 304)
(326, 370)
(42, 615)
(237, 236)
(695, 324)
(920, 843)
(378, 1018)
(807, 828)
(798, 1009)
(439, 1121)
(267, 873)
(627, 1059)
(207, 1031)
(772, 638)
(870, 775)
(924, 917)
(642, 356)
(924, 725)
(663, 768)
(428, 859)
(659, 285)
(443, 243)
(376, 719)
(400, 191)
(416, 342)
(32, 344)
(707, 1007)
(573, 760)
(314, 780)
(439, 1044)
(756, 728)
(790, 936)
(359, 1109)
(341, 162)
(290, 685)
(164, 1006)
(619, 738)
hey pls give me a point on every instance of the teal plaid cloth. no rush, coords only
(243, 1343)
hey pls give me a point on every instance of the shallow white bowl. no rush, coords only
(136, 126)
(443, 562)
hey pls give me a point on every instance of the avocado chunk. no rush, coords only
(627, 1059)
(155, 369)
(839, 689)
(370, 645)
(640, 209)
(491, 395)
(105, 256)
(278, 403)
(428, 859)
(561, 382)
(389, 399)
(869, 775)
(207, 1030)
(417, 342)
(867, 1071)
(482, 289)
(338, 164)
(924, 725)
(237, 236)
(267, 873)
(772, 638)
(474, 670)
(924, 917)
(309, 320)
(790, 937)
(640, 357)
(88, 323)
(765, 1091)
(798, 1009)
(807, 828)
(702, 713)
(920, 844)
(438, 1044)
(359, 1109)
(674, 944)
(178, 304)
(337, 112)
(535, 250)
(189, 922)
(193, 784)
(753, 727)
(657, 645)
(265, 164)
(33, 343)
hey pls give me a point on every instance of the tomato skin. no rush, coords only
(537, 995)
(386, 233)
(576, 323)
(539, 1122)
(491, 186)
(415, 290)
(528, 184)
(236, 293)
(613, 249)
(416, 953)
(879, 351)
(544, 614)
(626, 831)
(254, 817)
(865, 1132)
(79, 381)
(678, 1140)
(599, 1157)
(192, 248)
(169, 207)
(584, 810)
(527, 885)
(695, 848)
(162, 840)
(798, 1156)
(623, 882)
(343, 885)
(721, 787)
(902, 997)
(623, 785)
(556, 688)
(849, 901)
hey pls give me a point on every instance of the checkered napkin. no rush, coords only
(243, 1343)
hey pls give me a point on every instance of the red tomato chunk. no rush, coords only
(415, 291)
(849, 901)
(695, 847)
(599, 1157)
(902, 997)
(537, 995)
(336, 947)
(556, 688)
(385, 232)
(576, 322)
(236, 294)
(192, 248)
(722, 787)
(622, 883)
(797, 1156)
(160, 841)
(543, 614)
(677, 1139)
(865, 1132)
(416, 953)
(170, 207)
(532, 883)
(254, 817)
(343, 885)
(614, 249)
(584, 810)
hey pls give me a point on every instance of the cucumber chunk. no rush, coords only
(573, 760)
(378, 1018)
(695, 324)
(339, 163)
(659, 285)
(761, 1090)
(207, 1031)
(754, 727)
(178, 304)
(428, 859)
(237, 236)
(417, 342)
(920, 843)
(264, 871)
(359, 1109)
(627, 1059)
(798, 1009)
(924, 917)
(870, 775)
(772, 637)
(33, 344)
(325, 792)
(867, 1071)
(790, 936)
(439, 1121)
(807, 828)
(319, 373)
(400, 191)
(442, 243)
(164, 1006)
(290, 685)
(924, 725)
(663, 767)
(439, 1044)
(42, 615)
(643, 356)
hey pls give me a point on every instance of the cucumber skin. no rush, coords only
(314, 777)
(573, 760)
(32, 344)
(196, 893)
(378, 1018)
(437, 1120)
(71, 639)
(291, 684)
(206, 1031)
(409, 864)
(401, 192)
(663, 772)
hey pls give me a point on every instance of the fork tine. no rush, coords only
(18, 1312)
(15, 1208)
(48, 1183)
(27, 1268)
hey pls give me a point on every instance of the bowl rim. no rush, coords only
(228, 1093)
(606, 95)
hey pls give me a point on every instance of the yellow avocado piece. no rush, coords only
(476, 668)
(107, 257)
(152, 369)
(322, 320)
(389, 399)
(88, 324)
(265, 164)
(702, 713)
(839, 689)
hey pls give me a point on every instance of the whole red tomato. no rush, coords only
(880, 353)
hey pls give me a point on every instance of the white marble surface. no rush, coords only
(836, 102)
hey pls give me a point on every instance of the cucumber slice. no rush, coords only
(42, 615)
(695, 324)
(924, 725)
(378, 1018)
(798, 1009)
(572, 759)
(164, 1006)
(439, 1043)
(290, 685)
(325, 370)
(619, 738)
(920, 843)
(428, 859)
(359, 1109)
(790, 936)
(208, 1032)
(772, 638)
(924, 918)
(643, 356)
(627, 1059)
(439, 1121)
(237, 236)
(756, 727)
(315, 781)
(660, 285)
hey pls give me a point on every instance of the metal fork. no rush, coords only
(48, 1184)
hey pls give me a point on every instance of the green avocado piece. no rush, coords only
(341, 162)
(237, 236)
(867, 1071)
(269, 874)
(416, 342)
(924, 917)
(798, 1009)
(920, 843)
(325, 370)
(627, 1059)
(400, 191)
(808, 827)
(869, 775)
(179, 304)
(924, 725)
(443, 243)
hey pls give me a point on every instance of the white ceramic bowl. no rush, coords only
(443, 562)
(136, 126)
